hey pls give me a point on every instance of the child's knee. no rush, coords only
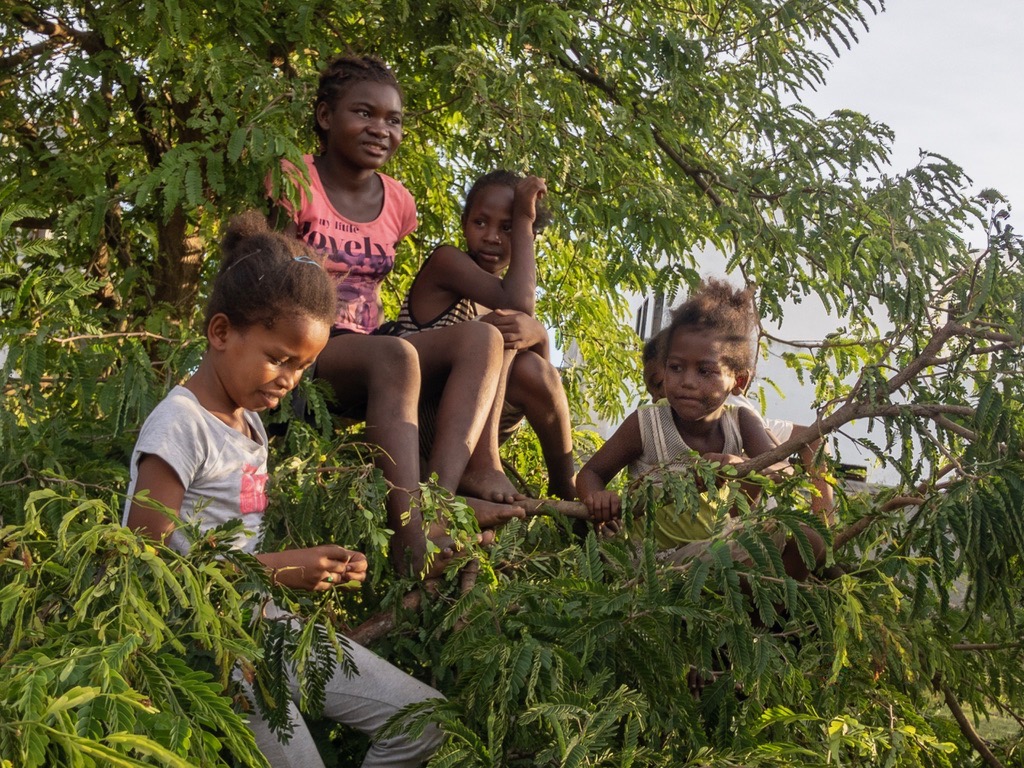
(480, 339)
(535, 374)
(396, 363)
(818, 546)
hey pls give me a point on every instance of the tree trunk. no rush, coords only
(179, 263)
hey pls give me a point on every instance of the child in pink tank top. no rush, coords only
(356, 216)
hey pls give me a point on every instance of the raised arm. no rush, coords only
(523, 267)
(456, 273)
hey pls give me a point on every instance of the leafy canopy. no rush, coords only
(129, 132)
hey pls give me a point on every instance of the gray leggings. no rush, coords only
(363, 701)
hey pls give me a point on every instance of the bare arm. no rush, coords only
(297, 568)
(755, 435)
(454, 272)
(621, 449)
(164, 486)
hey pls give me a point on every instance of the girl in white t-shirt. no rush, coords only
(203, 454)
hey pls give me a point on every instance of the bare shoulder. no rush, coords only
(756, 438)
(446, 255)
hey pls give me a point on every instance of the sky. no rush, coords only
(945, 75)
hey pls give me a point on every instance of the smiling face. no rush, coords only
(257, 366)
(487, 227)
(363, 127)
(697, 380)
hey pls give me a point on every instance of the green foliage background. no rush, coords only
(130, 129)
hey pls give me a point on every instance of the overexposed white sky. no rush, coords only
(945, 76)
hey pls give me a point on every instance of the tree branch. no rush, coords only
(32, 20)
(965, 725)
(534, 507)
(592, 78)
(985, 646)
(380, 624)
(101, 336)
(860, 525)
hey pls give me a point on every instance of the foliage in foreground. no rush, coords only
(129, 143)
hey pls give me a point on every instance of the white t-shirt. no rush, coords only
(223, 471)
(779, 428)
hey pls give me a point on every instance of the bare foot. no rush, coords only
(450, 550)
(490, 514)
(489, 485)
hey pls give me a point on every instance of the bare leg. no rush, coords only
(535, 386)
(484, 476)
(382, 373)
(463, 364)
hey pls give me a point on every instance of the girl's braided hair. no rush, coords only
(340, 74)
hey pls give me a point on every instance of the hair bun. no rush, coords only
(241, 227)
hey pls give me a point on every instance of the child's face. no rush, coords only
(364, 127)
(654, 379)
(697, 381)
(260, 365)
(487, 227)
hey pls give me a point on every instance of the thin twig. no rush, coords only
(985, 646)
(124, 335)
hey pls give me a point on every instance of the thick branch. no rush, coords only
(22, 55)
(32, 20)
(965, 726)
(534, 507)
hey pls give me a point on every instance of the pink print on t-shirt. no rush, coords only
(253, 498)
(357, 255)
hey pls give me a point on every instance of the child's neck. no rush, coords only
(356, 193)
(208, 390)
(704, 435)
(337, 175)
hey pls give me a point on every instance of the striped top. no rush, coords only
(460, 311)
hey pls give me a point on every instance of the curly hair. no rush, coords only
(726, 311)
(502, 178)
(340, 74)
(265, 275)
(654, 347)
